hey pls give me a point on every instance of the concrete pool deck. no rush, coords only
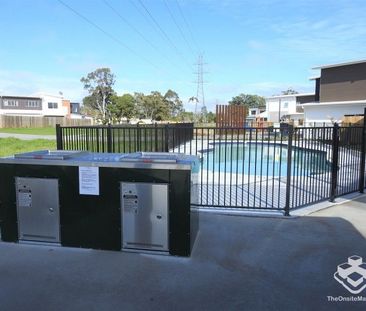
(238, 263)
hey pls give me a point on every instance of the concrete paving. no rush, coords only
(27, 136)
(238, 263)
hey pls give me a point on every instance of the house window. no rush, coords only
(52, 105)
(252, 112)
(10, 103)
(32, 103)
(285, 105)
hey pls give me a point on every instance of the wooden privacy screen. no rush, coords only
(230, 115)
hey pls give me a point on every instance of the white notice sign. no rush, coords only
(24, 198)
(89, 180)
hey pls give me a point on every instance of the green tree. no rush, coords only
(289, 91)
(186, 116)
(211, 117)
(122, 107)
(203, 117)
(174, 103)
(152, 106)
(249, 100)
(195, 100)
(99, 85)
(87, 109)
(140, 111)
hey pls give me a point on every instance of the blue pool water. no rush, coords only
(262, 159)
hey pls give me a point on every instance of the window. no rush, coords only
(32, 103)
(285, 105)
(10, 103)
(253, 112)
(52, 105)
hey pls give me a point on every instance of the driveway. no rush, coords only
(238, 263)
(27, 136)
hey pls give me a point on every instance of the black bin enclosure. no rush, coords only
(136, 202)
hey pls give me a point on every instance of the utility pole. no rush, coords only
(200, 95)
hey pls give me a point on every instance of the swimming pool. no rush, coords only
(264, 159)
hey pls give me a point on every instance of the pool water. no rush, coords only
(263, 159)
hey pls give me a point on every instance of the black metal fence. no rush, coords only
(124, 138)
(256, 168)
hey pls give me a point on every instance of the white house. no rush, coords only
(253, 113)
(38, 105)
(287, 107)
(54, 105)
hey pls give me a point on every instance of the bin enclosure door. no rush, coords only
(38, 209)
(144, 209)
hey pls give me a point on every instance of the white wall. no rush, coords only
(288, 106)
(328, 113)
(59, 111)
(21, 112)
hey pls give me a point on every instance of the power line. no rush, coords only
(162, 31)
(107, 34)
(137, 31)
(138, 9)
(179, 28)
(187, 25)
(130, 25)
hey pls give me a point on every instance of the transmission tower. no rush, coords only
(200, 95)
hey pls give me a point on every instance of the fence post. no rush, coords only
(156, 137)
(138, 138)
(98, 138)
(109, 138)
(59, 137)
(334, 177)
(166, 142)
(363, 155)
(290, 130)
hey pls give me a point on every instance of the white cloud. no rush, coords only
(336, 38)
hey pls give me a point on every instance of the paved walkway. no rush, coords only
(238, 263)
(27, 136)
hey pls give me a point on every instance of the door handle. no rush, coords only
(159, 217)
(51, 209)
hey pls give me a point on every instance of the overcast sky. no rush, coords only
(260, 47)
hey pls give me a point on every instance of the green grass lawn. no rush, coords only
(30, 130)
(9, 146)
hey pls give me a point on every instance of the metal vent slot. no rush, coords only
(145, 244)
(38, 236)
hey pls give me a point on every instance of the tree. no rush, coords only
(87, 109)
(203, 117)
(249, 100)
(122, 107)
(289, 91)
(195, 100)
(186, 116)
(140, 111)
(174, 103)
(211, 117)
(152, 106)
(99, 84)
